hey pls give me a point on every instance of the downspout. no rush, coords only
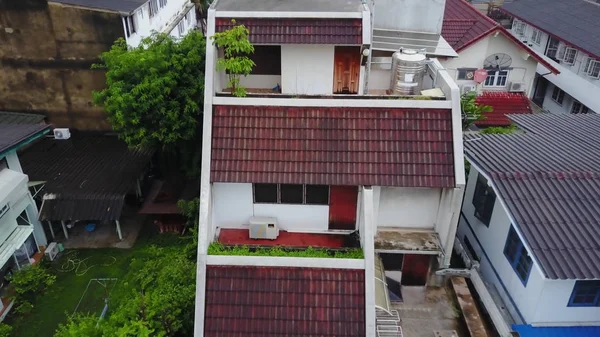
(371, 7)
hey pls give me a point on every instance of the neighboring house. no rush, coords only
(530, 218)
(482, 43)
(566, 34)
(321, 147)
(139, 18)
(21, 234)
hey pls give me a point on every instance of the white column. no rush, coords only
(64, 229)
(369, 253)
(119, 229)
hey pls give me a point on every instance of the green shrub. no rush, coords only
(5, 330)
(23, 307)
(499, 130)
(216, 248)
(30, 281)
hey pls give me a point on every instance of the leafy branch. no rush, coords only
(471, 110)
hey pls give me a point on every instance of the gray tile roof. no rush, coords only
(20, 118)
(549, 179)
(124, 6)
(13, 134)
(575, 21)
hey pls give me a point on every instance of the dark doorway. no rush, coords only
(342, 207)
(552, 48)
(539, 93)
(415, 269)
(346, 70)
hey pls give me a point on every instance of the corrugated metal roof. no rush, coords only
(575, 22)
(126, 6)
(549, 178)
(20, 118)
(86, 176)
(566, 331)
(333, 146)
(13, 134)
(503, 103)
(272, 302)
(298, 31)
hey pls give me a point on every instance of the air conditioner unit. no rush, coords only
(62, 133)
(263, 228)
(51, 251)
(467, 88)
(516, 87)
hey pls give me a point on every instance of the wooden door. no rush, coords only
(415, 269)
(342, 207)
(346, 70)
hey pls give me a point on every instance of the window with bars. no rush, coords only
(496, 78)
(519, 27)
(484, 199)
(578, 108)
(585, 294)
(517, 256)
(592, 68)
(558, 95)
(536, 36)
(296, 194)
(152, 8)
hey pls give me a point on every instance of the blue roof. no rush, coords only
(568, 331)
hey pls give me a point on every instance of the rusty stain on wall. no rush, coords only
(46, 57)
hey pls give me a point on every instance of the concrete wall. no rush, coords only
(46, 55)
(541, 301)
(233, 206)
(307, 69)
(522, 69)
(410, 15)
(406, 207)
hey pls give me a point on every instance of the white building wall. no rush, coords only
(552, 307)
(13, 161)
(406, 207)
(522, 68)
(307, 69)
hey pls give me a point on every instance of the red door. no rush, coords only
(342, 207)
(415, 269)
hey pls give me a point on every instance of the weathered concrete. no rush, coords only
(394, 239)
(46, 55)
(468, 307)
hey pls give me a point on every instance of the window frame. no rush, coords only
(130, 25)
(266, 62)
(582, 109)
(496, 78)
(180, 28)
(560, 95)
(279, 194)
(519, 27)
(536, 36)
(465, 71)
(592, 68)
(152, 8)
(484, 208)
(162, 3)
(519, 252)
(564, 55)
(583, 284)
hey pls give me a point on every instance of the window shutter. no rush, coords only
(561, 52)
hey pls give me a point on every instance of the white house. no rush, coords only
(529, 217)
(140, 18)
(327, 142)
(566, 35)
(21, 234)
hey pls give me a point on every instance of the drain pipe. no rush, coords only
(371, 7)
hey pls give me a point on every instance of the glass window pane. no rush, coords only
(291, 193)
(22, 219)
(317, 194)
(265, 193)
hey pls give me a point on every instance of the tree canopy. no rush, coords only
(155, 91)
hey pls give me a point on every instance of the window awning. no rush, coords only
(382, 296)
(16, 239)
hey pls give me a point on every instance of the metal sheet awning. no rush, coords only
(382, 296)
(14, 241)
(393, 40)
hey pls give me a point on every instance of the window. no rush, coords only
(188, 18)
(295, 194)
(3, 164)
(592, 68)
(558, 95)
(466, 74)
(496, 78)
(181, 28)
(129, 25)
(536, 36)
(162, 3)
(585, 294)
(517, 255)
(484, 199)
(552, 48)
(152, 8)
(23, 219)
(578, 108)
(519, 27)
(567, 55)
(267, 60)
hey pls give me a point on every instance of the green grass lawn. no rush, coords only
(52, 307)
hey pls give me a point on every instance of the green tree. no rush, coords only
(471, 110)
(154, 92)
(235, 62)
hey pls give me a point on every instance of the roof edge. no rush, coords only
(27, 139)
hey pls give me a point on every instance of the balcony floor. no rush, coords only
(234, 236)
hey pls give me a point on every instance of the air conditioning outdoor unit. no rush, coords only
(516, 87)
(263, 228)
(62, 133)
(51, 251)
(467, 88)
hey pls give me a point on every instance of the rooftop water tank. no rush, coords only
(408, 68)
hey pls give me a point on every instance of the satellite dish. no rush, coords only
(480, 75)
(497, 61)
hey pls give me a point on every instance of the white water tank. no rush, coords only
(408, 68)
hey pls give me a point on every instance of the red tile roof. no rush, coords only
(333, 146)
(299, 31)
(503, 103)
(275, 302)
